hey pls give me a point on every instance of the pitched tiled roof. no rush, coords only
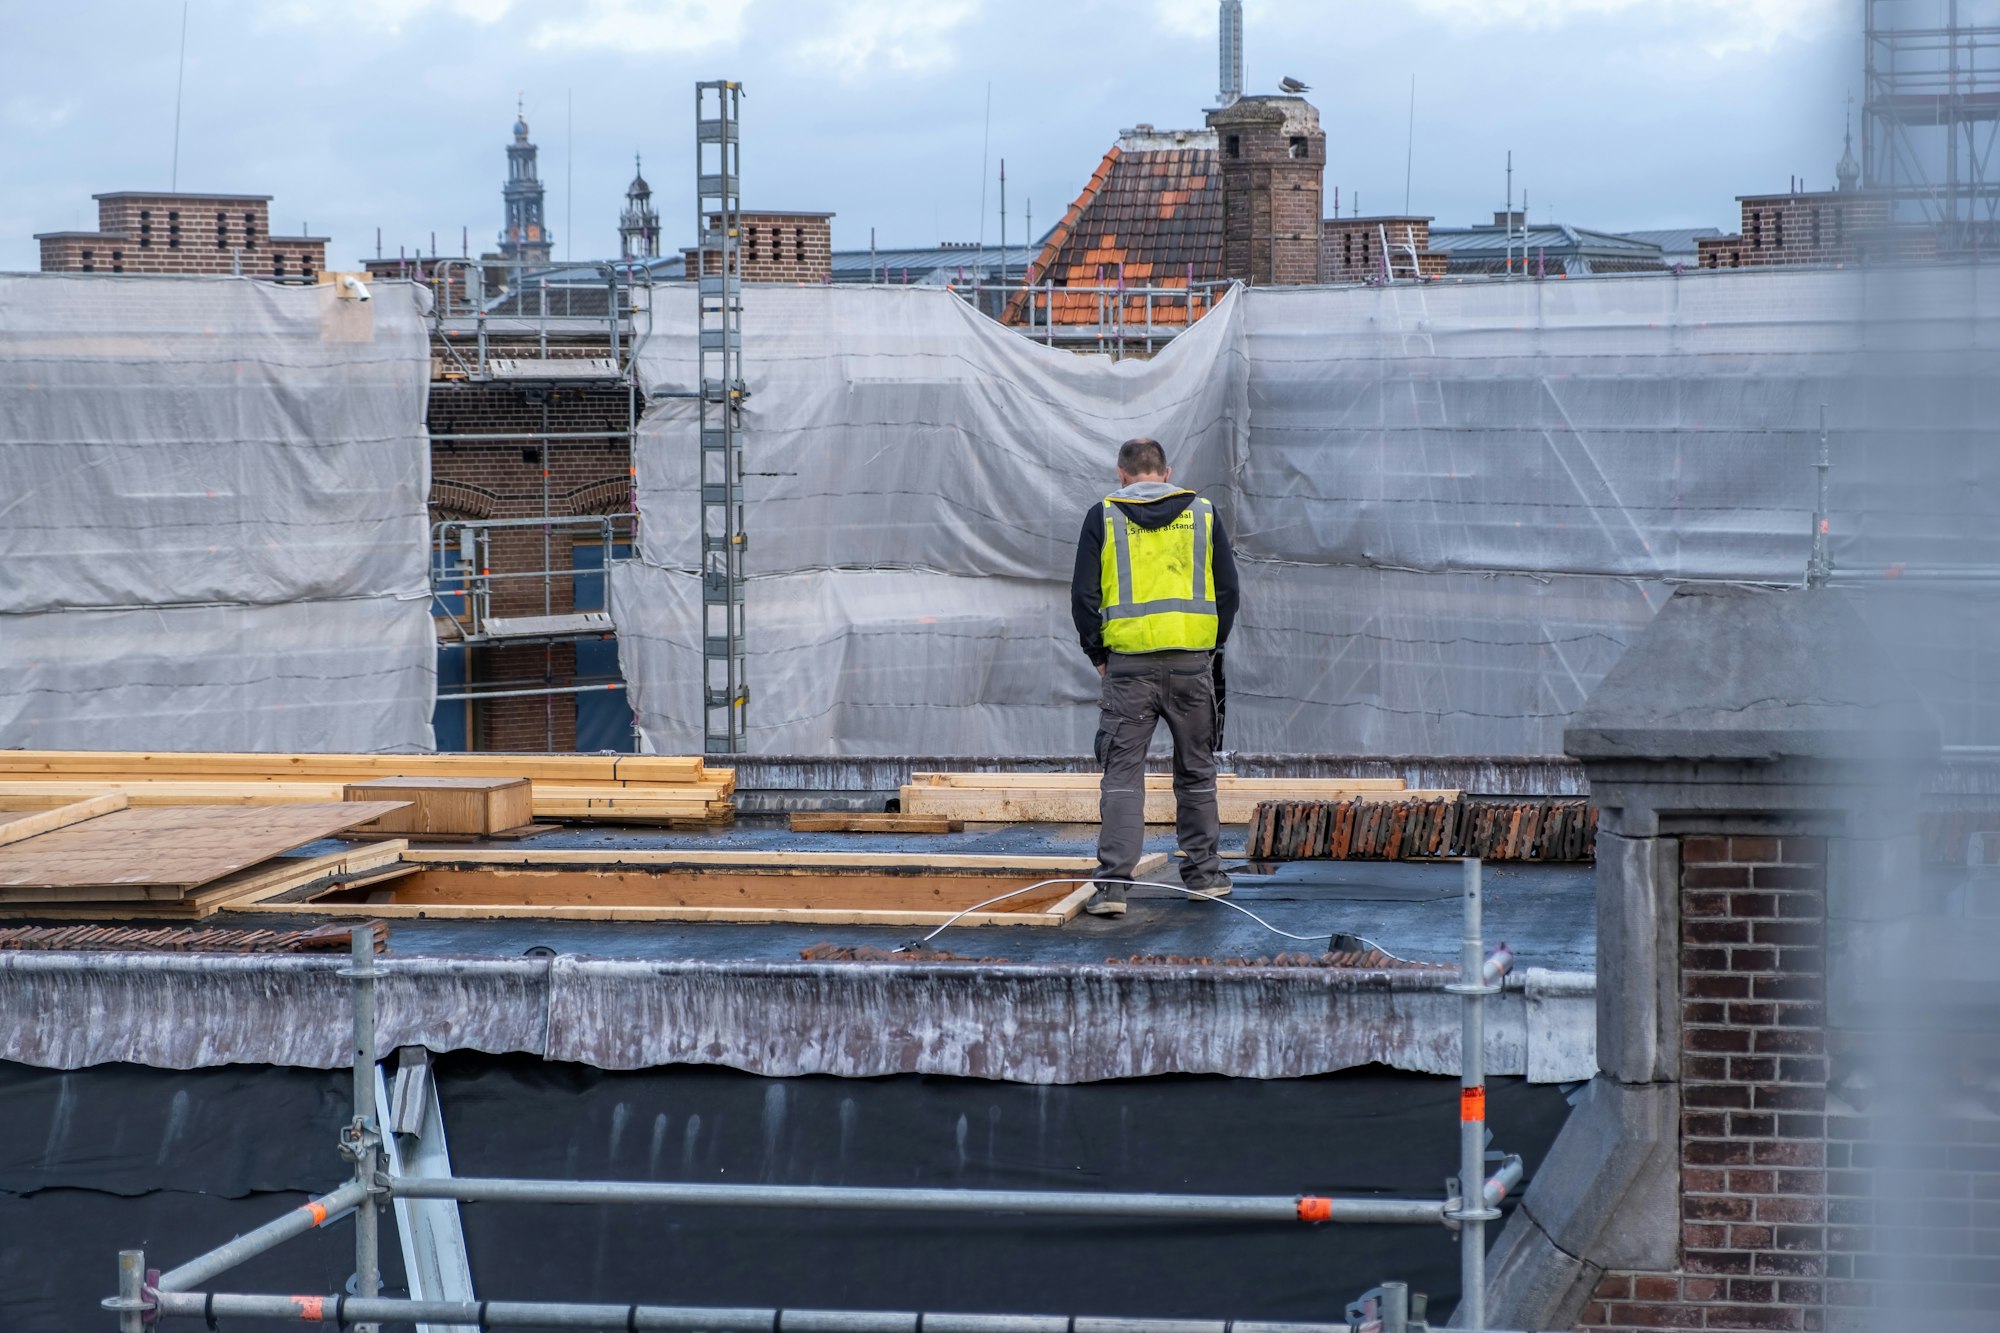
(1148, 217)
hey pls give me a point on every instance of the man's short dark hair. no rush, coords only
(1142, 457)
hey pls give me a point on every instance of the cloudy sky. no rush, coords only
(394, 114)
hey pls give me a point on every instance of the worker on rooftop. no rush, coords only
(1153, 597)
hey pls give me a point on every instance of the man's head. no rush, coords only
(1142, 460)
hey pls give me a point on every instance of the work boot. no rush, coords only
(1109, 900)
(1218, 887)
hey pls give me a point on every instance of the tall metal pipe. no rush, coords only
(1217, 1207)
(687, 1319)
(366, 1133)
(1478, 978)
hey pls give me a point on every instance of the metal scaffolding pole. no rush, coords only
(1211, 1207)
(1479, 978)
(718, 223)
(363, 1140)
(1470, 1204)
(348, 1311)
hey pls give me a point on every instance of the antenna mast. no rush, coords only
(1231, 80)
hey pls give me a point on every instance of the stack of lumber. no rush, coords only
(99, 857)
(1494, 830)
(632, 788)
(1071, 798)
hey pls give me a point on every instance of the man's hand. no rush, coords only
(1100, 670)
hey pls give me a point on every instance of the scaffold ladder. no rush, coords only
(719, 206)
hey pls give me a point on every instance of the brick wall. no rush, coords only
(183, 233)
(504, 479)
(1350, 249)
(777, 247)
(1824, 227)
(1753, 1223)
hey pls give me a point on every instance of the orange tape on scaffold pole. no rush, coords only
(1471, 1104)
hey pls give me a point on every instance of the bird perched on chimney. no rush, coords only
(1292, 85)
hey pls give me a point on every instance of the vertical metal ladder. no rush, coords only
(718, 222)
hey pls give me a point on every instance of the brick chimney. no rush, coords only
(1272, 155)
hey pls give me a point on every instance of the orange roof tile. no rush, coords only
(1153, 211)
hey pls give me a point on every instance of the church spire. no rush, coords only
(1848, 172)
(526, 235)
(639, 224)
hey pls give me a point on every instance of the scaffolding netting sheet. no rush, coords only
(212, 515)
(1454, 506)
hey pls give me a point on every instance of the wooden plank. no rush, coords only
(848, 821)
(696, 801)
(805, 862)
(171, 792)
(340, 767)
(1154, 782)
(448, 804)
(62, 816)
(498, 835)
(1056, 806)
(172, 849)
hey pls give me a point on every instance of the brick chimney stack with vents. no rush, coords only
(1272, 155)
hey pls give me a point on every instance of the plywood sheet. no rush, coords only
(166, 850)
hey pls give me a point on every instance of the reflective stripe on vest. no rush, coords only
(1144, 616)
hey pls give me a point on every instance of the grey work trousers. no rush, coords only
(1141, 691)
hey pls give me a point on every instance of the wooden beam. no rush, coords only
(344, 767)
(803, 862)
(1154, 782)
(1080, 805)
(848, 821)
(61, 816)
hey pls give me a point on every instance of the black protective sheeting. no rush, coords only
(1356, 1132)
(115, 1157)
(88, 1166)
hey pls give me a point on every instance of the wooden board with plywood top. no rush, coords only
(826, 888)
(448, 804)
(258, 883)
(162, 852)
(1056, 913)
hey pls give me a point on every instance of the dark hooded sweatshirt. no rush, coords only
(1085, 587)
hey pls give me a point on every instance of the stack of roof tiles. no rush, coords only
(1512, 830)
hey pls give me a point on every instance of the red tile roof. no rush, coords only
(1147, 218)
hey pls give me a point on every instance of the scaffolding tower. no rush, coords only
(718, 207)
(1930, 115)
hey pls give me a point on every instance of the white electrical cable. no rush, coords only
(1149, 884)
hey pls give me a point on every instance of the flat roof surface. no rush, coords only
(1546, 912)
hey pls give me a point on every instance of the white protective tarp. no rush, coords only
(1453, 505)
(212, 516)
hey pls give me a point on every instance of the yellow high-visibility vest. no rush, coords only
(1157, 585)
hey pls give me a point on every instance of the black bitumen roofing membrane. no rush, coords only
(1410, 909)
